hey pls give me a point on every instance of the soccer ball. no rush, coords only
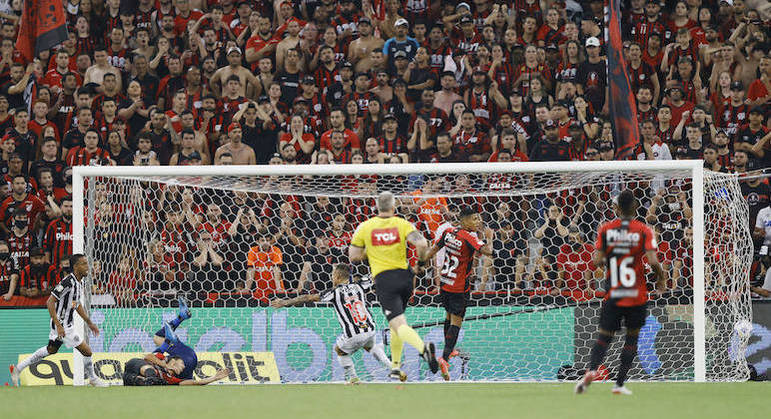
(743, 328)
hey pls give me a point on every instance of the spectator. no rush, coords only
(264, 261)
(576, 271)
(552, 233)
(9, 279)
(551, 148)
(317, 266)
(38, 278)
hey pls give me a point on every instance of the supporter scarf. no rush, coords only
(43, 26)
(622, 105)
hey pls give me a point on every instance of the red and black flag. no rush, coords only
(623, 108)
(43, 26)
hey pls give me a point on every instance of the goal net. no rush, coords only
(231, 240)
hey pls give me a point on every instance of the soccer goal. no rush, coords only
(232, 239)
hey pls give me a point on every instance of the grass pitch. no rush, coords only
(366, 401)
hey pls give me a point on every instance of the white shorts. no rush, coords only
(356, 342)
(71, 337)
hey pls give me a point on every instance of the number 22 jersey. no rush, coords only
(460, 246)
(624, 243)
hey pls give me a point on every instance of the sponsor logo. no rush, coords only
(385, 236)
(64, 236)
(623, 235)
(245, 367)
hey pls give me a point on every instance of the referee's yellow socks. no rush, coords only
(409, 335)
(396, 350)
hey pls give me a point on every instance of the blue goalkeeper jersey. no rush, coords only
(188, 356)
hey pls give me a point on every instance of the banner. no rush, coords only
(302, 339)
(43, 26)
(245, 367)
(622, 104)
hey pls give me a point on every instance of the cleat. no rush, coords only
(397, 374)
(98, 383)
(621, 390)
(444, 367)
(14, 375)
(582, 385)
(453, 354)
(184, 312)
(170, 335)
(429, 355)
(353, 381)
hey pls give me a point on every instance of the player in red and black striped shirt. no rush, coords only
(623, 245)
(58, 236)
(460, 245)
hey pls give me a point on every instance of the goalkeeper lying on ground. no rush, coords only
(172, 363)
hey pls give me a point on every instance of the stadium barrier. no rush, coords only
(298, 342)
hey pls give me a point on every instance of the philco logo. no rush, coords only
(385, 236)
(64, 236)
(623, 235)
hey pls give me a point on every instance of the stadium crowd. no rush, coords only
(198, 82)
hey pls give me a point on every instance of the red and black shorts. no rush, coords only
(611, 316)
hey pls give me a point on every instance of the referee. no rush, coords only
(383, 241)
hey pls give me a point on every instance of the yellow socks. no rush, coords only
(396, 350)
(409, 335)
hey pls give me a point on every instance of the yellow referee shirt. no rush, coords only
(385, 240)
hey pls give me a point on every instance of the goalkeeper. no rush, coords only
(382, 240)
(172, 362)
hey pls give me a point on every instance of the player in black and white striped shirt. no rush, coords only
(64, 301)
(350, 304)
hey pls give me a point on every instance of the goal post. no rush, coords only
(693, 331)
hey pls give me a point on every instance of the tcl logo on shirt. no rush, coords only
(385, 236)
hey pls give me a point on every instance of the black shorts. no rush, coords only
(394, 289)
(455, 302)
(611, 316)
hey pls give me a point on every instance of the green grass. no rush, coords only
(369, 401)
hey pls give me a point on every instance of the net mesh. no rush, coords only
(230, 245)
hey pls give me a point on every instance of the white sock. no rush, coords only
(347, 363)
(88, 366)
(37, 356)
(379, 354)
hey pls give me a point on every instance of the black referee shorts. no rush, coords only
(454, 302)
(611, 316)
(393, 289)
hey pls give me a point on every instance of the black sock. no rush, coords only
(598, 350)
(446, 326)
(627, 357)
(450, 339)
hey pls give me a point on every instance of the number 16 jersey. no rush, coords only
(624, 243)
(460, 246)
